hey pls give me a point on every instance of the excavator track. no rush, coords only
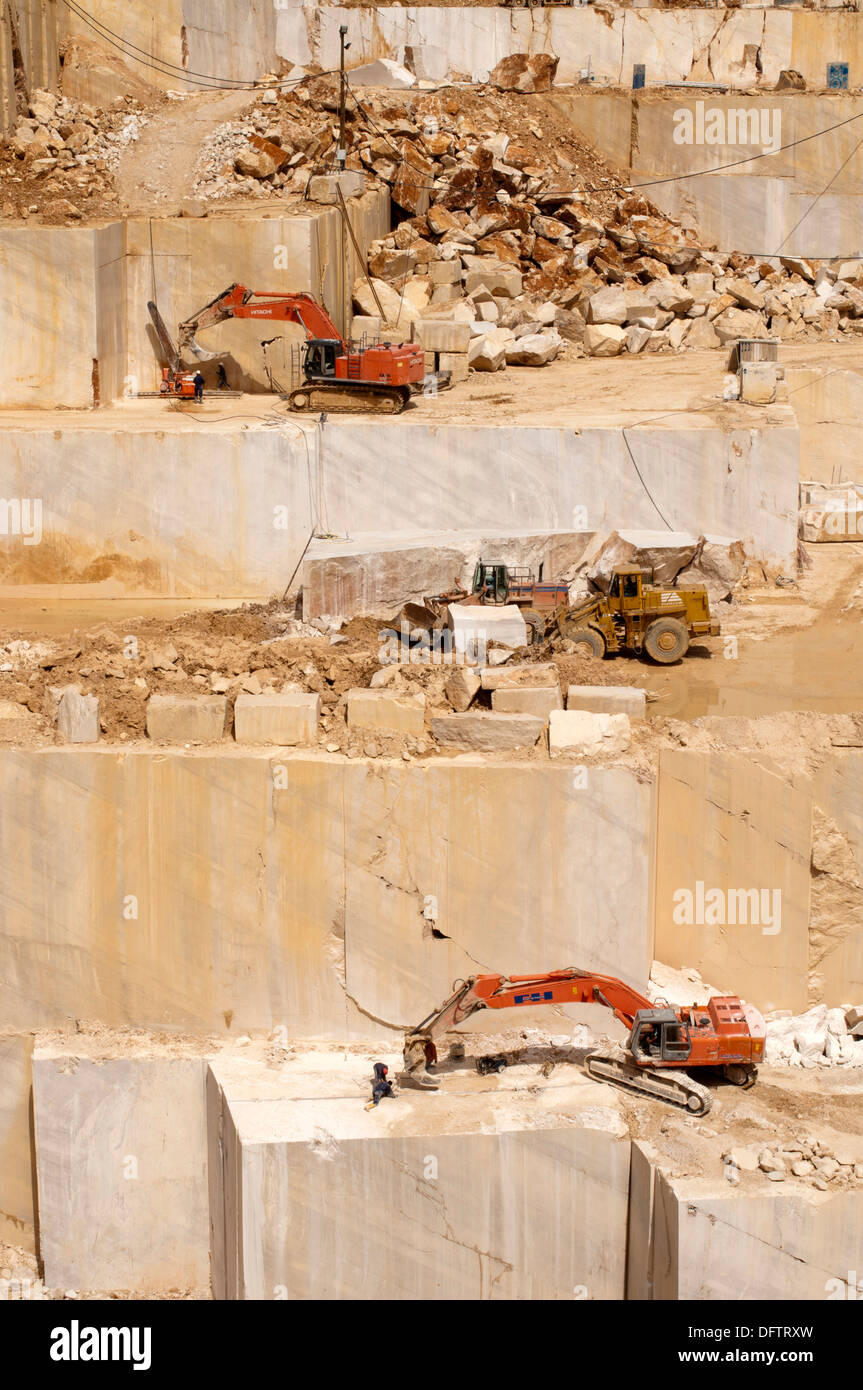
(343, 398)
(672, 1086)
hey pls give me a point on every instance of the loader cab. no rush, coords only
(659, 1036)
(320, 359)
(626, 591)
(493, 579)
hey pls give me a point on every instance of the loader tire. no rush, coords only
(666, 641)
(588, 640)
(535, 624)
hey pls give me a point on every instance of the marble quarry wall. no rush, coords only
(756, 205)
(86, 290)
(269, 487)
(737, 47)
(325, 877)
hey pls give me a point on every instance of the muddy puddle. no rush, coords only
(816, 668)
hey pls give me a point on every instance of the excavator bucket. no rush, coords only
(418, 1081)
(188, 343)
(415, 1075)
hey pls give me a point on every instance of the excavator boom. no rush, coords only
(336, 377)
(568, 986)
(272, 305)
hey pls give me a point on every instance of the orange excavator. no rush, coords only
(337, 376)
(664, 1043)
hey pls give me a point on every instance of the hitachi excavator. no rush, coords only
(337, 377)
(664, 1043)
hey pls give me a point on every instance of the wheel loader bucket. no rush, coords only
(421, 616)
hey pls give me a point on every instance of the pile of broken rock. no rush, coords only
(824, 1164)
(525, 236)
(68, 151)
(821, 1037)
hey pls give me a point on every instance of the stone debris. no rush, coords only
(608, 699)
(678, 987)
(383, 709)
(523, 72)
(461, 688)
(505, 233)
(77, 716)
(475, 625)
(827, 1164)
(538, 700)
(192, 719)
(287, 719)
(717, 563)
(821, 1037)
(486, 733)
(66, 153)
(16, 722)
(585, 734)
(383, 72)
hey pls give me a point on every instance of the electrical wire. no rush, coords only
(168, 69)
(643, 483)
(820, 195)
(610, 188)
(210, 81)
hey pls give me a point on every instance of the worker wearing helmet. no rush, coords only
(199, 386)
(380, 1086)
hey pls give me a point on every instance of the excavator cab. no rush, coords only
(659, 1035)
(320, 360)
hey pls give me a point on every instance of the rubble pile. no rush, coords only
(824, 1164)
(716, 563)
(821, 1037)
(270, 153)
(515, 228)
(61, 159)
(506, 232)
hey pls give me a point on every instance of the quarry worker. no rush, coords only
(222, 382)
(199, 386)
(380, 1086)
(430, 1053)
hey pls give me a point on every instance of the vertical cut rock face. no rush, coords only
(16, 1185)
(315, 844)
(476, 1201)
(122, 1166)
(711, 1242)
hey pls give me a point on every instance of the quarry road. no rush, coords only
(155, 175)
(59, 614)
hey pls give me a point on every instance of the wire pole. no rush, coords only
(341, 152)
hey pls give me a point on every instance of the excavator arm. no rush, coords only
(663, 1041)
(568, 986)
(241, 303)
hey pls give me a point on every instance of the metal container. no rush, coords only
(757, 350)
